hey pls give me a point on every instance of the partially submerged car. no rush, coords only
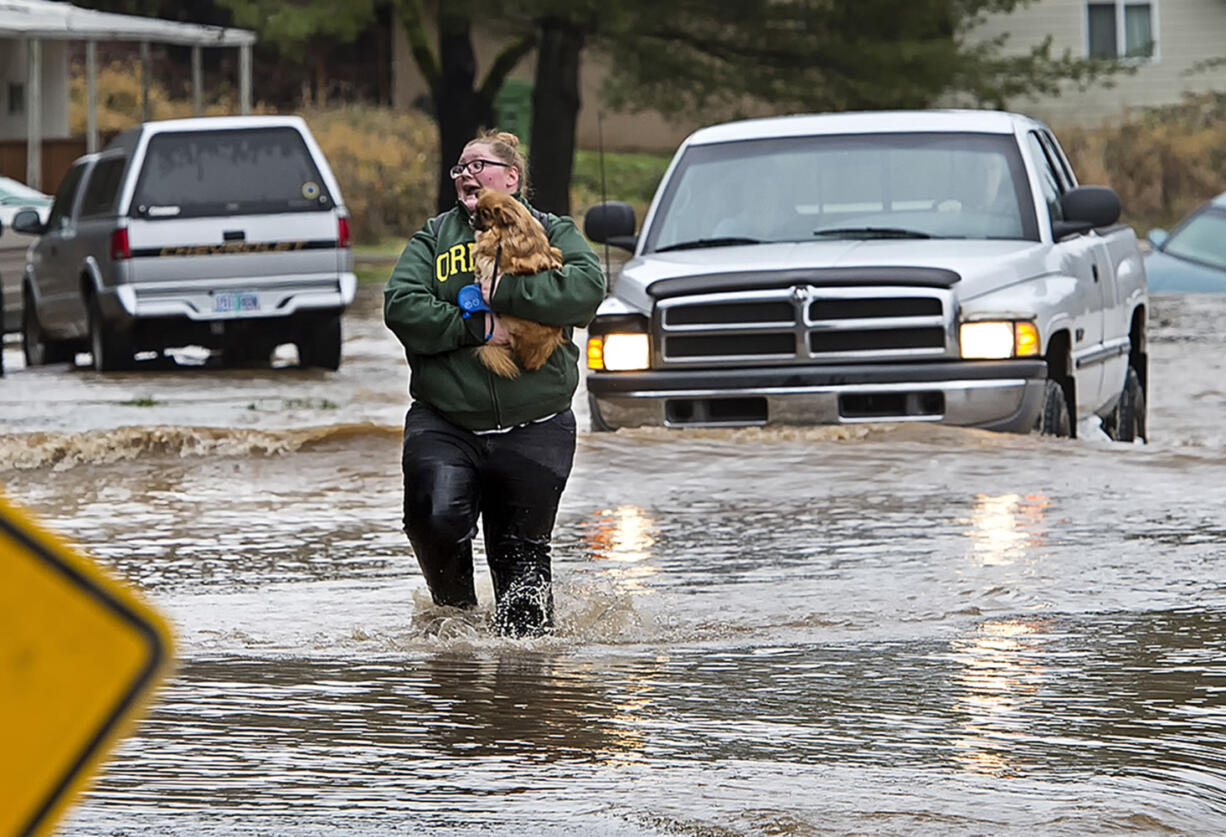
(1192, 257)
(15, 196)
(224, 232)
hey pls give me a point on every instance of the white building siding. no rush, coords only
(54, 99)
(1185, 31)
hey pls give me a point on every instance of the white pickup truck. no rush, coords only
(940, 266)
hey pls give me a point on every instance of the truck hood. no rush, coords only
(984, 266)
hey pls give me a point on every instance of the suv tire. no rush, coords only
(319, 343)
(38, 348)
(112, 349)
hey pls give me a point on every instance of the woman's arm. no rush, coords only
(567, 296)
(424, 323)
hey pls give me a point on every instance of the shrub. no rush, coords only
(627, 177)
(386, 163)
(119, 100)
(1163, 161)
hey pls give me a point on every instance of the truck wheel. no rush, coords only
(320, 344)
(1128, 421)
(112, 349)
(39, 349)
(1054, 419)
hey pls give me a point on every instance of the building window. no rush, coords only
(1120, 29)
(17, 98)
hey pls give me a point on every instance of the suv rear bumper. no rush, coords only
(994, 395)
(162, 300)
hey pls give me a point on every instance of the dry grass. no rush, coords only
(1163, 162)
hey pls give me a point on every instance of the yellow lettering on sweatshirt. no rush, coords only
(457, 259)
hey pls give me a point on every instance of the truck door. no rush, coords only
(1083, 257)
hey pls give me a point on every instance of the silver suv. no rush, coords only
(228, 233)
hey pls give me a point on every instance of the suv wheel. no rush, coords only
(39, 349)
(319, 344)
(112, 349)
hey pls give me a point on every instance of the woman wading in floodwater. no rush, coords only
(476, 444)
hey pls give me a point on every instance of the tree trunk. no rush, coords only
(321, 83)
(460, 111)
(555, 114)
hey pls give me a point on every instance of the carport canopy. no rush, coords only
(37, 20)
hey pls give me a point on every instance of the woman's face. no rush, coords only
(494, 174)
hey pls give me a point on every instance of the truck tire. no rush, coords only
(37, 347)
(1128, 420)
(1055, 418)
(111, 348)
(320, 344)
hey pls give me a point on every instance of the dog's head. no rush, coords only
(499, 211)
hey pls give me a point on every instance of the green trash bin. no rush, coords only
(513, 108)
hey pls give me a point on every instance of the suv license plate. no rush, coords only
(235, 303)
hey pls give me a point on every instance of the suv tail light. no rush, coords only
(120, 249)
(342, 232)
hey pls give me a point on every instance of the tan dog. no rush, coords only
(504, 225)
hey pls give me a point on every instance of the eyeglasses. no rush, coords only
(474, 167)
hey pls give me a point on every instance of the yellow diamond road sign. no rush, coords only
(80, 655)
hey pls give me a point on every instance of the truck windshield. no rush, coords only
(819, 188)
(228, 172)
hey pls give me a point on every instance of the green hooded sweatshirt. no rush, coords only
(419, 306)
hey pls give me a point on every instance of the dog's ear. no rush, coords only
(507, 213)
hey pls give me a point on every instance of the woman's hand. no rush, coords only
(496, 330)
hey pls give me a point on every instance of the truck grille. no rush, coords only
(805, 324)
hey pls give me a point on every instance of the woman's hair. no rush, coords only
(505, 146)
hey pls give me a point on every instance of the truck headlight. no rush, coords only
(618, 343)
(618, 352)
(998, 339)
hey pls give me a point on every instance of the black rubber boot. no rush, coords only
(523, 589)
(449, 572)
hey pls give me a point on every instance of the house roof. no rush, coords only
(50, 20)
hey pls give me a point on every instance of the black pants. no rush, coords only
(513, 480)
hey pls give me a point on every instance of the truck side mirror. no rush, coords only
(612, 223)
(1098, 206)
(27, 221)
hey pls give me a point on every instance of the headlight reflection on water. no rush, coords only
(625, 536)
(1001, 670)
(1004, 527)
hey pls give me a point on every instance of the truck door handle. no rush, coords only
(1094, 271)
(239, 235)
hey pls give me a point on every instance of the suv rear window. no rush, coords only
(244, 171)
(103, 184)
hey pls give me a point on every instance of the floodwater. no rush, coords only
(869, 630)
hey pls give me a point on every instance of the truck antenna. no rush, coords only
(603, 197)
